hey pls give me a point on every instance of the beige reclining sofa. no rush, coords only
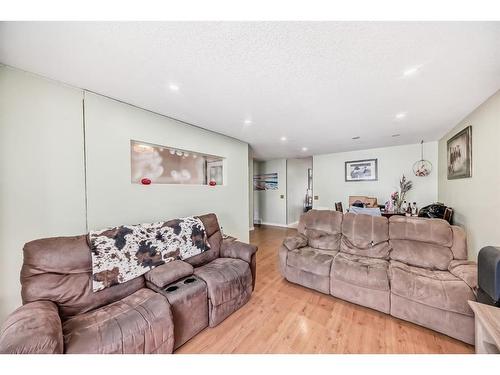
(415, 269)
(154, 313)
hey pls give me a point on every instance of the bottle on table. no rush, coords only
(408, 209)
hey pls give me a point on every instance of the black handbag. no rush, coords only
(433, 211)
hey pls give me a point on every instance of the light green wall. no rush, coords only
(113, 200)
(329, 175)
(296, 187)
(250, 189)
(42, 190)
(271, 207)
(476, 200)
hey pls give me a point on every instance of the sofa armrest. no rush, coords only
(34, 328)
(465, 270)
(295, 242)
(168, 273)
(237, 250)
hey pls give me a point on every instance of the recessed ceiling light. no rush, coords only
(304, 148)
(395, 135)
(283, 139)
(247, 122)
(400, 115)
(173, 87)
(411, 71)
(357, 137)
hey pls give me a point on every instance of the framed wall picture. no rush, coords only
(459, 151)
(361, 170)
(266, 181)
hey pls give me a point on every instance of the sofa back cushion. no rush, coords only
(365, 235)
(423, 242)
(214, 239)
(323, 229)
(459, 246)
(421, 254)
(434, 231)
(59, 269)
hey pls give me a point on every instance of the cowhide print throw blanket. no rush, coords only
(123, 253)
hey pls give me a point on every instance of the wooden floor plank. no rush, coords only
(282, 317)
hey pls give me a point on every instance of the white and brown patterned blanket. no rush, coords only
(123, 253)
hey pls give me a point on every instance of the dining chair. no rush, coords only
(338, 207)
(448, 214)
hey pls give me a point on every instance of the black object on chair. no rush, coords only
(437, 211)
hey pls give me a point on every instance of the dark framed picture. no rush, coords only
(459, 151)
(361, 170)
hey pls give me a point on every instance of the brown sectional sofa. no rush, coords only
(61, 314)
(415, 269)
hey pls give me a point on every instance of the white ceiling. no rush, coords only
(317, 83)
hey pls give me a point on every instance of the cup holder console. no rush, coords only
(181, 284)
(188, 299)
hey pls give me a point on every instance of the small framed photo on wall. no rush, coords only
(459, 151)
(361, 170)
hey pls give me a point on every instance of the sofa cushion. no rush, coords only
(311, 260)
(322, 240)
(433, 231)
(465, 270)
(439, 289)
(421, 254)
(459, 246)
(322, 228)
(365, 235)
(139, 323)
(294, 242)
(327, 221)
(361, 271)
(59, 269)
(210, 223)
(215, 241)
(226, 279)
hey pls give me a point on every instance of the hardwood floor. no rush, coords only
(282, 317)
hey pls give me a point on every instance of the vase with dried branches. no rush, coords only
(404, 187)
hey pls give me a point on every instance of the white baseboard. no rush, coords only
(275, 224)
(293, 225)
(251, 228)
